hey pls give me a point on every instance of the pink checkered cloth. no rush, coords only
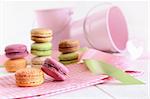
(79, 77)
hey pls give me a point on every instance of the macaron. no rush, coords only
(41, 53)
(29, 77)
(69, 45)
(15, 51)
(55, 69)
(41, 35)
(41, 49)
(69, 58)
(41, 46)
(37, 62)
(15, 64)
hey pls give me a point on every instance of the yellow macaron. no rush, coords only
(41, 35)
(29, 77)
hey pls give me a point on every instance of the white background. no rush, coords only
(17, 19)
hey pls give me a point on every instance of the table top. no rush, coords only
(111, 89)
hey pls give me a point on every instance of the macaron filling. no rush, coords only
(14, 55)
(41, 36)
(17, 52)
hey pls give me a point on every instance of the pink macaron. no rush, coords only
(15, 51)
(55, 69)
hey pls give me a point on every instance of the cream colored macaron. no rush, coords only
(41, 35)
(38, 61)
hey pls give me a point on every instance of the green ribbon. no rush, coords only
(100, 67)
(1, 66)
(2, 73)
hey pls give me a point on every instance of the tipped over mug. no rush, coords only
(104, 30)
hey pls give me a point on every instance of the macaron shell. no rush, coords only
(57, 65)
(69, 49)
(68, 43)
(29, 83)
(41, 53)
(41, 31)
(69, 62)
(41, 46)
(69, 56)
(53, 73)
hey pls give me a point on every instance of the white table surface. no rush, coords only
(111, 89)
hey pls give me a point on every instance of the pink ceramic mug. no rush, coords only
(104, 30)
(58, 20)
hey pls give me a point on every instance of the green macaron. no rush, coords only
(41, 46)
(41, 53)
(68, 56)
(69, 62)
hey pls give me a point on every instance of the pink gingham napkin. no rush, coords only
(78, 77)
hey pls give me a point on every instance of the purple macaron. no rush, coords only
(15, 51)
(55, 69)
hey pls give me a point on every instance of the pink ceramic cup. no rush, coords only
(104, 30)
(58, 20)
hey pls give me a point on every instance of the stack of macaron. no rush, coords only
(69, 51)
(42, 46)
(16, 54)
